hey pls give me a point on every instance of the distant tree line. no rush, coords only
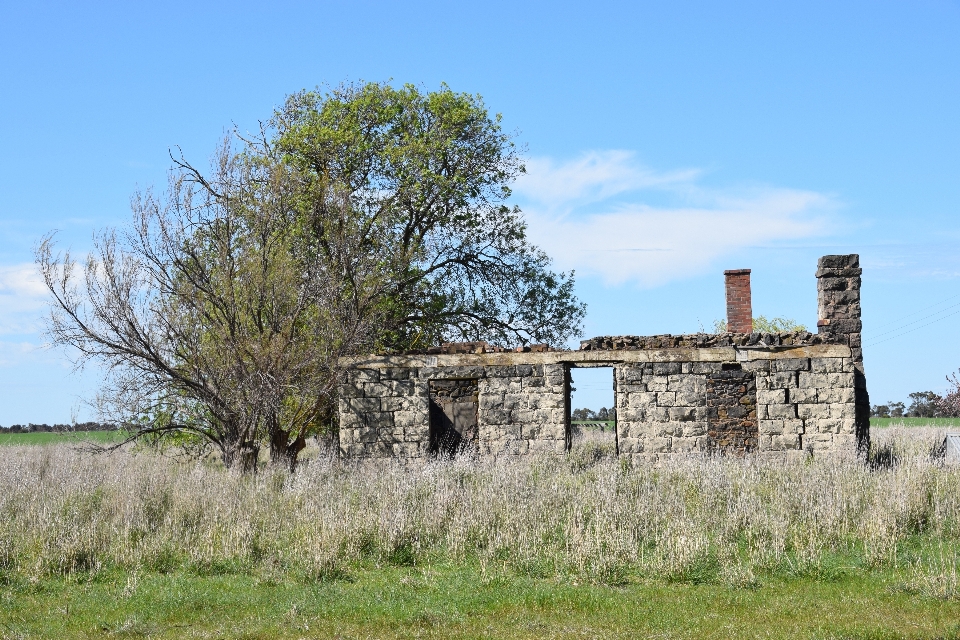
(924, 404)
(603, 414)
(60, 428)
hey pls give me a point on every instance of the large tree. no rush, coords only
(366, 218)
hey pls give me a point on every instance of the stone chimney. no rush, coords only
(838, 306)
(739, 308)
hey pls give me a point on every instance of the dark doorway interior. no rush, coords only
(732, 410)
(453, 416)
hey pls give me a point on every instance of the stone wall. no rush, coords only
(775, 395)
(775, 401)
(385, 411)
(801, 404)
(838, 306)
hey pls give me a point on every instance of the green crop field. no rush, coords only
(46, 437)
(939, 423)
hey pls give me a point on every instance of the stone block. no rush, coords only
(361, 404)
(684, 444)
(789, 364)
(659, 444)
(694, 429)
(367, 435)
(657, 384)
(700, 368)
(813, 380)
(821, 425)
(821, 440)
(770, 427)
(375, 389)
(756, 366)
(628, 374)
(836, 380)
(786, 441)
(349, 391)
(845, 442)
(633, 414)
(681, 414)
(545, 431)
(794, 425)
(392, 404)
(802, 395)
(764, 442)
(686, 383)
(772, 396)
(845, 326)
(666, 399)
(494, 416)
(691, 398)
(666, 368)
(546, 446)
(807, 411)
(845, 410)
(782, 411)
(657, 414)
(644, 399)
(782, 380)
(831, 283)
(837, 395)
(360, 376)
(847, 426)
(406, 450)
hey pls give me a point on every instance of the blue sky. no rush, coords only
(666, 143)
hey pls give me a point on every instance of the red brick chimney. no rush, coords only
(739, 309)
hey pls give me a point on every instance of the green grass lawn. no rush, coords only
(943, 423)
(459, 602)
(7, 438)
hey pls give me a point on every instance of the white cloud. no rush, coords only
(593, 177)
(22, 299)
(625, 239)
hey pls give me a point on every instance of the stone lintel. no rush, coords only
(597, 358)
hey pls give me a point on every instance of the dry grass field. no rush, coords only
(548, 540)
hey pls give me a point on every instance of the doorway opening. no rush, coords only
(593, 413)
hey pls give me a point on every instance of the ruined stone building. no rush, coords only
(778, 395)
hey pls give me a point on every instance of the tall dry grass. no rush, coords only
(589, 515)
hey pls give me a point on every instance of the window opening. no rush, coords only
(454, 407)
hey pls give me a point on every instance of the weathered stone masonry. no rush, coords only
(777, 395)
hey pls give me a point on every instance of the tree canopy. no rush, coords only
(426, 176)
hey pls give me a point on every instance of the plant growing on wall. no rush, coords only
(762, 324)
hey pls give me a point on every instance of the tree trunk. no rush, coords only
(283, 451)
(245, 454)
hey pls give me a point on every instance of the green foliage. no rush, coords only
(762, 324)
(421, 180)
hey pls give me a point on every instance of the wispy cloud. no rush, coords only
(22, 299)
(594, 214)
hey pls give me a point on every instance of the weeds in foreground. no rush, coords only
(694, 519)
